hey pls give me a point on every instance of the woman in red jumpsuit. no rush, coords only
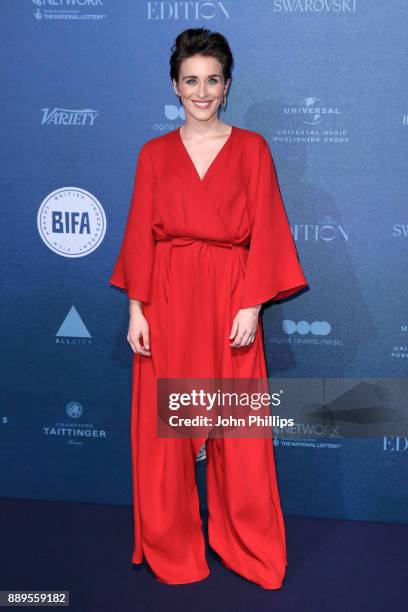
(202, 194)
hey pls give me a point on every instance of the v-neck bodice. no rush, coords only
(214, 160)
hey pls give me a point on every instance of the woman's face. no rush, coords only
(201, 80)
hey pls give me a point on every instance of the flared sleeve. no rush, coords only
(272, 270)
(134, 264)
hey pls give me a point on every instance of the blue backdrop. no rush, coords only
(85, 83)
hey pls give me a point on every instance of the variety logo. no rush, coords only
(184, 11)
(71, 222)
(73, 330)
(67, 116)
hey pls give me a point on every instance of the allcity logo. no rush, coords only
(186, 11)
(73, 330)
(74, 10)
(325, 230)
(68, 116)
(311, 111)
(71, 222)
(395, 444)
(314, 6)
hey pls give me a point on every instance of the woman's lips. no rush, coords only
(202, 104)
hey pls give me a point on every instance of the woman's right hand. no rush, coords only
(139, 328)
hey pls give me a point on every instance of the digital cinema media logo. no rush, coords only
(71, 222)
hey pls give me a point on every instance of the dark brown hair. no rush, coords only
(203, 42)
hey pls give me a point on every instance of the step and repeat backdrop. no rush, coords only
(85, 84)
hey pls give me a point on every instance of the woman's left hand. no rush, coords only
(244, 326)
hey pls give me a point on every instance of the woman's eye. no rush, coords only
(193, 81)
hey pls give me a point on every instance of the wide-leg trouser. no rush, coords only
(245, 522)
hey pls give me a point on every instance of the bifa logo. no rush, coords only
(71, 222)
(396, 444)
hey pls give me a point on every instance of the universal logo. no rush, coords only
(71, 222)
(311, 111)
(183, 11)
(68, 116)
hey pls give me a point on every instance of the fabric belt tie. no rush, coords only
(182, 241)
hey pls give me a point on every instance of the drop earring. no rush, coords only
(224, 103)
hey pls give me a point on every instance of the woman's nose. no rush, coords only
(202, 90)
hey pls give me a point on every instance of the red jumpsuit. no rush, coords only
(184, 254)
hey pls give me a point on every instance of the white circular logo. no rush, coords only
(71, 222)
